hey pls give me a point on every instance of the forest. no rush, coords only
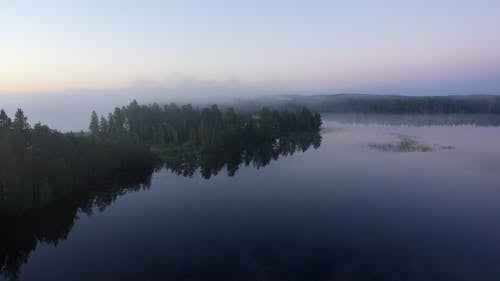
(209, 128)
(415, 105)
(39, 165)
(384, 104)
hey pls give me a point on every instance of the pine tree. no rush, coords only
(94, 124)
(231, 119)
(317, 121)
(20, 121)
(5, 121)
(103, 126)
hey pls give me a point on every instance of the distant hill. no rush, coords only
(364, 103)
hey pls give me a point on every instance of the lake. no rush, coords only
(368, 201)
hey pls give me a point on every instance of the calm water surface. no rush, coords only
(342, 211)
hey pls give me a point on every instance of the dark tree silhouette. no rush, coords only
(94, 124)
(172, 127)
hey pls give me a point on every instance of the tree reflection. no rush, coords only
(210, 164)
(52, 224)
(20, 233)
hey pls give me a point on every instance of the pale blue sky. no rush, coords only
(407, 47)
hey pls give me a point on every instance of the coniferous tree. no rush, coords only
(103, 126)
(5, 121)
(231, 119)
(20, 121)
(94, 124)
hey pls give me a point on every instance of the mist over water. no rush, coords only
(70, 110)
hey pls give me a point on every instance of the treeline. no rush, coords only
(418, 120)
(414, 105)
(208, 128)
(390, 104)
(39, 165)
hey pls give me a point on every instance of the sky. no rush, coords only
(250, 47)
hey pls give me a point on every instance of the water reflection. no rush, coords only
(20, 234)
(52, 224)
(417, 120)
(258, 156)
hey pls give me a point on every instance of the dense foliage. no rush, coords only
(205, 128)
(39, 165)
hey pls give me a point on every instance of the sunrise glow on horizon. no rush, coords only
(376, 47)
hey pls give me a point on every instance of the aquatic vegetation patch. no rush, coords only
(405, 143)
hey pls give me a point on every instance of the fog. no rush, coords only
(70, 110)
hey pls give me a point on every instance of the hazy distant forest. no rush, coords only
(385, 104)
